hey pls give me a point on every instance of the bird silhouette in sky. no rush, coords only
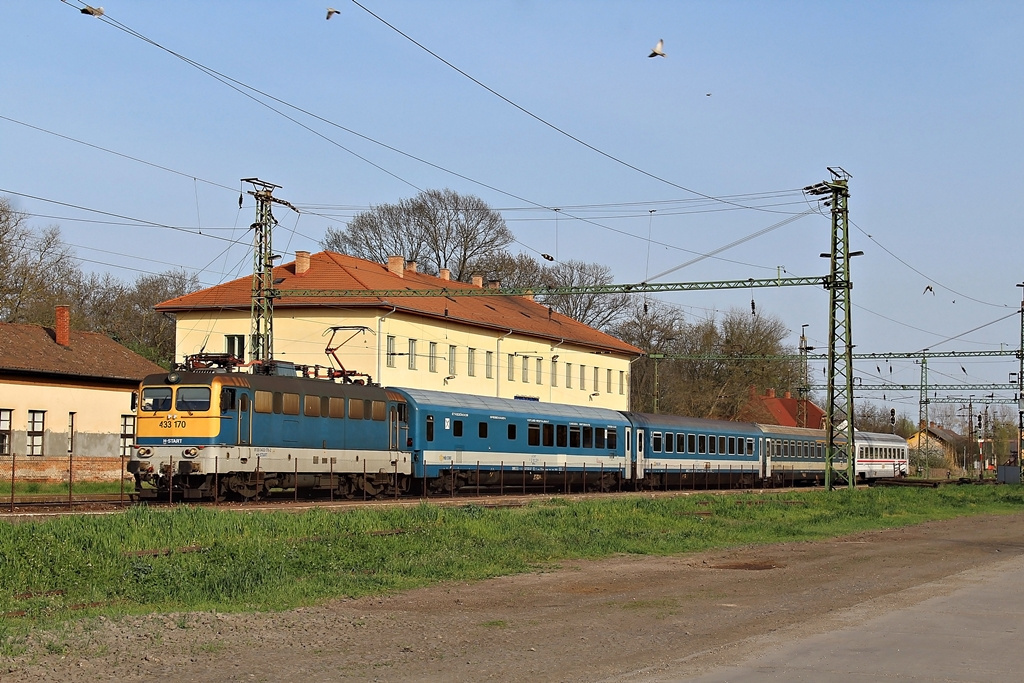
(331, 12)
(928, 288)
(659, 49)
(964, 369)
(879, 369)
(92, 11)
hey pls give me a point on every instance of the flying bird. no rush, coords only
(92, 11)
(928, 288)
(658, 50)
(879, 369)
(964, 369)
(331, 12)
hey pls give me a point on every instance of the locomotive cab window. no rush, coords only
(193, 399)
(156, 399)
(290, 404)
(379, 410)
(311, 406)
(355, 412)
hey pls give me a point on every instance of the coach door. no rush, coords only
(639, 454)
(764, 449)
(629, 453)
(244, 419)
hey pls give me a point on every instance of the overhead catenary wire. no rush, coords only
(247, 90)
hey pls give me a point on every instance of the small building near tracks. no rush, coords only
(65, 394)
(506, 346)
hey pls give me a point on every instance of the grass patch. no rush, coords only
(191, 559)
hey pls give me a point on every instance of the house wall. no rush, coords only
(299, 336)
(97, 416)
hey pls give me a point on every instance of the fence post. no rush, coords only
(216, 479)
(122, 480)
(14, 457)
(170, 480)
(71, 476)
(256, 498)
(295, 481)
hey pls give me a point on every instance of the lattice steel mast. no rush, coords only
(261, 335)
(840, 347)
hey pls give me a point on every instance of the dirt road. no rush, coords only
(622, 619)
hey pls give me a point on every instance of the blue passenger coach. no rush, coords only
(673, 450)
(465, 440)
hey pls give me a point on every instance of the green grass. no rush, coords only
(193, 559)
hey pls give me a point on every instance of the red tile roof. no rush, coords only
(33, 349)
(329, 270)
(782, 411)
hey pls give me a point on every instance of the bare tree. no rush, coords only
(597, 310)
(39, 269)
(437, 228)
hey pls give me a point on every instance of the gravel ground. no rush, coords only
(622, 619)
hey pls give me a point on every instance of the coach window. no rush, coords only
(355, 409)
(588, 437)
(669, 442)
(702, 444)
(430, 426)
(750, 446)
(721, 445)
(599, 439)
(574, 436)
(732, 445)
(380, 410)
(481, 430)
(337, 406)
(549, 434)
(712, 445)
(561, 435)
(680, 443)
(613, 438)
(192, 399)
(457, 428)
(691, 443)
(656, 442)
(511, 432)
(325, 406)
(533, 434)
(311, 406)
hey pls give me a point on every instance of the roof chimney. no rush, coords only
(478, 281)
(445, 274)
(62, 328)
(301, 262)
(411, 266)
(770, 393)
(396, 265)
(494, 284)
(787, 395)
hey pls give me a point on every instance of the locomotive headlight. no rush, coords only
(190, 452)
(145, 452)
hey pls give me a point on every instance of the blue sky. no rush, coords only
(919, 101)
